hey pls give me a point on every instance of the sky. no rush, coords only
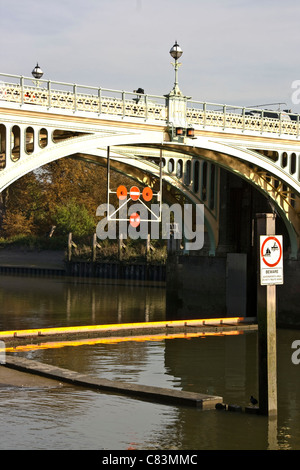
(240, 52)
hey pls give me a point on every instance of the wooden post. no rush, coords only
(266, 319)
(95, 245)
(122, 246)
(70, 244)
(149, 247)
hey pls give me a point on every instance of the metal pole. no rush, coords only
(204, 114)
(75, 97)
(49, 93)
(160, 185)
(266, 319)
(22, 89)
(176, 75)
(108, 179)
(224, 116)
(123, 103)
(100, 100)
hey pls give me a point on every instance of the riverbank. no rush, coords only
(53, 263)
(26, 258)
(17, 379)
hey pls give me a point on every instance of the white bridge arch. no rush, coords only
(39, 125)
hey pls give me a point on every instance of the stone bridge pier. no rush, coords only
(201, 286)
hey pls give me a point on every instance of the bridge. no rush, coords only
(42, 121)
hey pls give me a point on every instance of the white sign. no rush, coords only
(271, 260)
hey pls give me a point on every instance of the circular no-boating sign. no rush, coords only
(271, 264)
(271, 251)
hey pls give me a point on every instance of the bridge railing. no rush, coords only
(242, 118)
(54, 94)
(83, 98)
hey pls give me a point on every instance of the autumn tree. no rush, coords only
(43, 198)
(23, 204)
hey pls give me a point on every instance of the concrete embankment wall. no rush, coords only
(202, 286)
(144, 392)
(140, 272)
(53, 263)
(136, 271)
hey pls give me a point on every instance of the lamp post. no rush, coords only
(177, 103)
(176, 52)
(37, 73)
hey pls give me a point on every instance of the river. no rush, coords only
(71, 417)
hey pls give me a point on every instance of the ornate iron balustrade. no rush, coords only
(101, 101)
(242, 118)
(71, 97)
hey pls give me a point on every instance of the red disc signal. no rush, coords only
(134, 193)
(147, 194)
(135, 219)
(121, 192)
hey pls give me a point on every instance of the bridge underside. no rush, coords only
(192, 168)
(195, 176)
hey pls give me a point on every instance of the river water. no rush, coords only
(70, 417)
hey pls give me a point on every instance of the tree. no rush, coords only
(22, 202)
(75, 218)
(42, 197)
(16, 223)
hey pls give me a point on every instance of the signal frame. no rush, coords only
(157, 218)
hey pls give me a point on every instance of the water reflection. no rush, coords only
(75, 418)
(46, 302)
(223, 365)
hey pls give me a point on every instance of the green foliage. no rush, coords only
(33, 242)
(75, 218)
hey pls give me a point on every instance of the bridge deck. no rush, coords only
(70, 97)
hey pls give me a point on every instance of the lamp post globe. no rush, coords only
(37, 72)
(176, 51)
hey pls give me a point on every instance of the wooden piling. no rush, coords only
(266, 321)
